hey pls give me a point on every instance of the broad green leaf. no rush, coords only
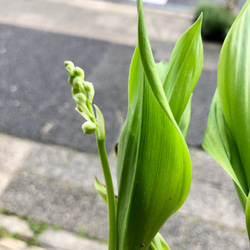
(149, 66)
(153, 167)
(218, 142)
(228, 130)
(234, 84)
(181, 74)
(227, 136)
(184, 122)
(184, 69)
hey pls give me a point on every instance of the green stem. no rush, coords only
(110, 193)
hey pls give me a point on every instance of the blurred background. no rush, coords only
(47, 164)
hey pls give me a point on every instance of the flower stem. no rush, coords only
(110, 193)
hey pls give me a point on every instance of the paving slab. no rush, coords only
(62, 240)
(55, 185)
(13, 225)
(13, 244)
(12, 154)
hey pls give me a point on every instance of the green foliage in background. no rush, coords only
(217, 20)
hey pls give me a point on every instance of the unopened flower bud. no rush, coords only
(88, 127)
(81, 107)
(69, 67)
(90, 89)
(78, 84)
(80, 98)
(79, 72)
(75, 91)
(70, 80)
(68, 63)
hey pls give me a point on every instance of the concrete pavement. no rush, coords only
(54, 183)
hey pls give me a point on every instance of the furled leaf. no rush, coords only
(154, 167)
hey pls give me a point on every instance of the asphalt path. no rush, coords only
(35, 98)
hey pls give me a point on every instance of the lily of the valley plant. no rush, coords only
(227, 137)
(153, 162)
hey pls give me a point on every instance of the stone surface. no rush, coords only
(62, 240)
(55, 185)
(35, 248)
(12, 154)
(56, 202)
(194, 233)
(15, 225)
(12, 244)
(212, 196)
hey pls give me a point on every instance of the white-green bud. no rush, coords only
(75, 91)
(70, 80)
(68, 63)
(70, 68)
(80, 98)
(78, 84)
(88, 127)
(79, 72)
(84, 112)
(90, 89)
(81, 107)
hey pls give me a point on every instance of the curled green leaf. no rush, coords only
(154, 167)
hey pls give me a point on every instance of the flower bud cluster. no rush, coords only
(83, 93)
